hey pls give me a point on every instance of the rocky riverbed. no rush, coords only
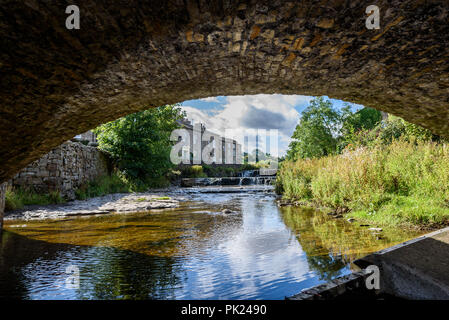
(127, 202)
(119, 202)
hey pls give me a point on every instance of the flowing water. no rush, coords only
(260, 251)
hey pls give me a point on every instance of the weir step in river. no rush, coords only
(263, 176)
(228, 181)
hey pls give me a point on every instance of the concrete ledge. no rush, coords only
(415, 269)
(349, 286)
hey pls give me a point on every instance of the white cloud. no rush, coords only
(196, 115)
(210, 99)
(253, 112)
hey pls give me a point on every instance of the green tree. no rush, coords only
(316, 134)
(354, 125)
(364, 119)
(384, 133)
(394, 128)
(140, 143)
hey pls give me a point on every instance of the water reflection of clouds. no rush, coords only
(258, 259)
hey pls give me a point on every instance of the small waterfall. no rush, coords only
(245, 178)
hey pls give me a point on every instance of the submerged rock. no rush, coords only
(339, 211)
(283, 203)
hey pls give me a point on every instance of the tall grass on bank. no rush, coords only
(402, 183)
(17, 198)
(103, 185)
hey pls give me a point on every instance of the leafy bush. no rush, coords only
(194, 171)
(139, 143)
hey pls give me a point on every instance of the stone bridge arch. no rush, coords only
(130, 55)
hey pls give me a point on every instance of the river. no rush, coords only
(259, 251)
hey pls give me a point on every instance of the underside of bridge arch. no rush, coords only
(131, 55)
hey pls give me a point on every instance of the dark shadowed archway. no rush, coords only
(130, 55)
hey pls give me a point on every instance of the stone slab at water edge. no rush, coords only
(119, 202)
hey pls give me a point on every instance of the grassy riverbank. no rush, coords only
(404, 183)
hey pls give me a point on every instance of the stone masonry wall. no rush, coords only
(64, 169)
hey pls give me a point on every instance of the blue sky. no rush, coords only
(281, 112)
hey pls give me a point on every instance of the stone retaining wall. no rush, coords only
(63, 169)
